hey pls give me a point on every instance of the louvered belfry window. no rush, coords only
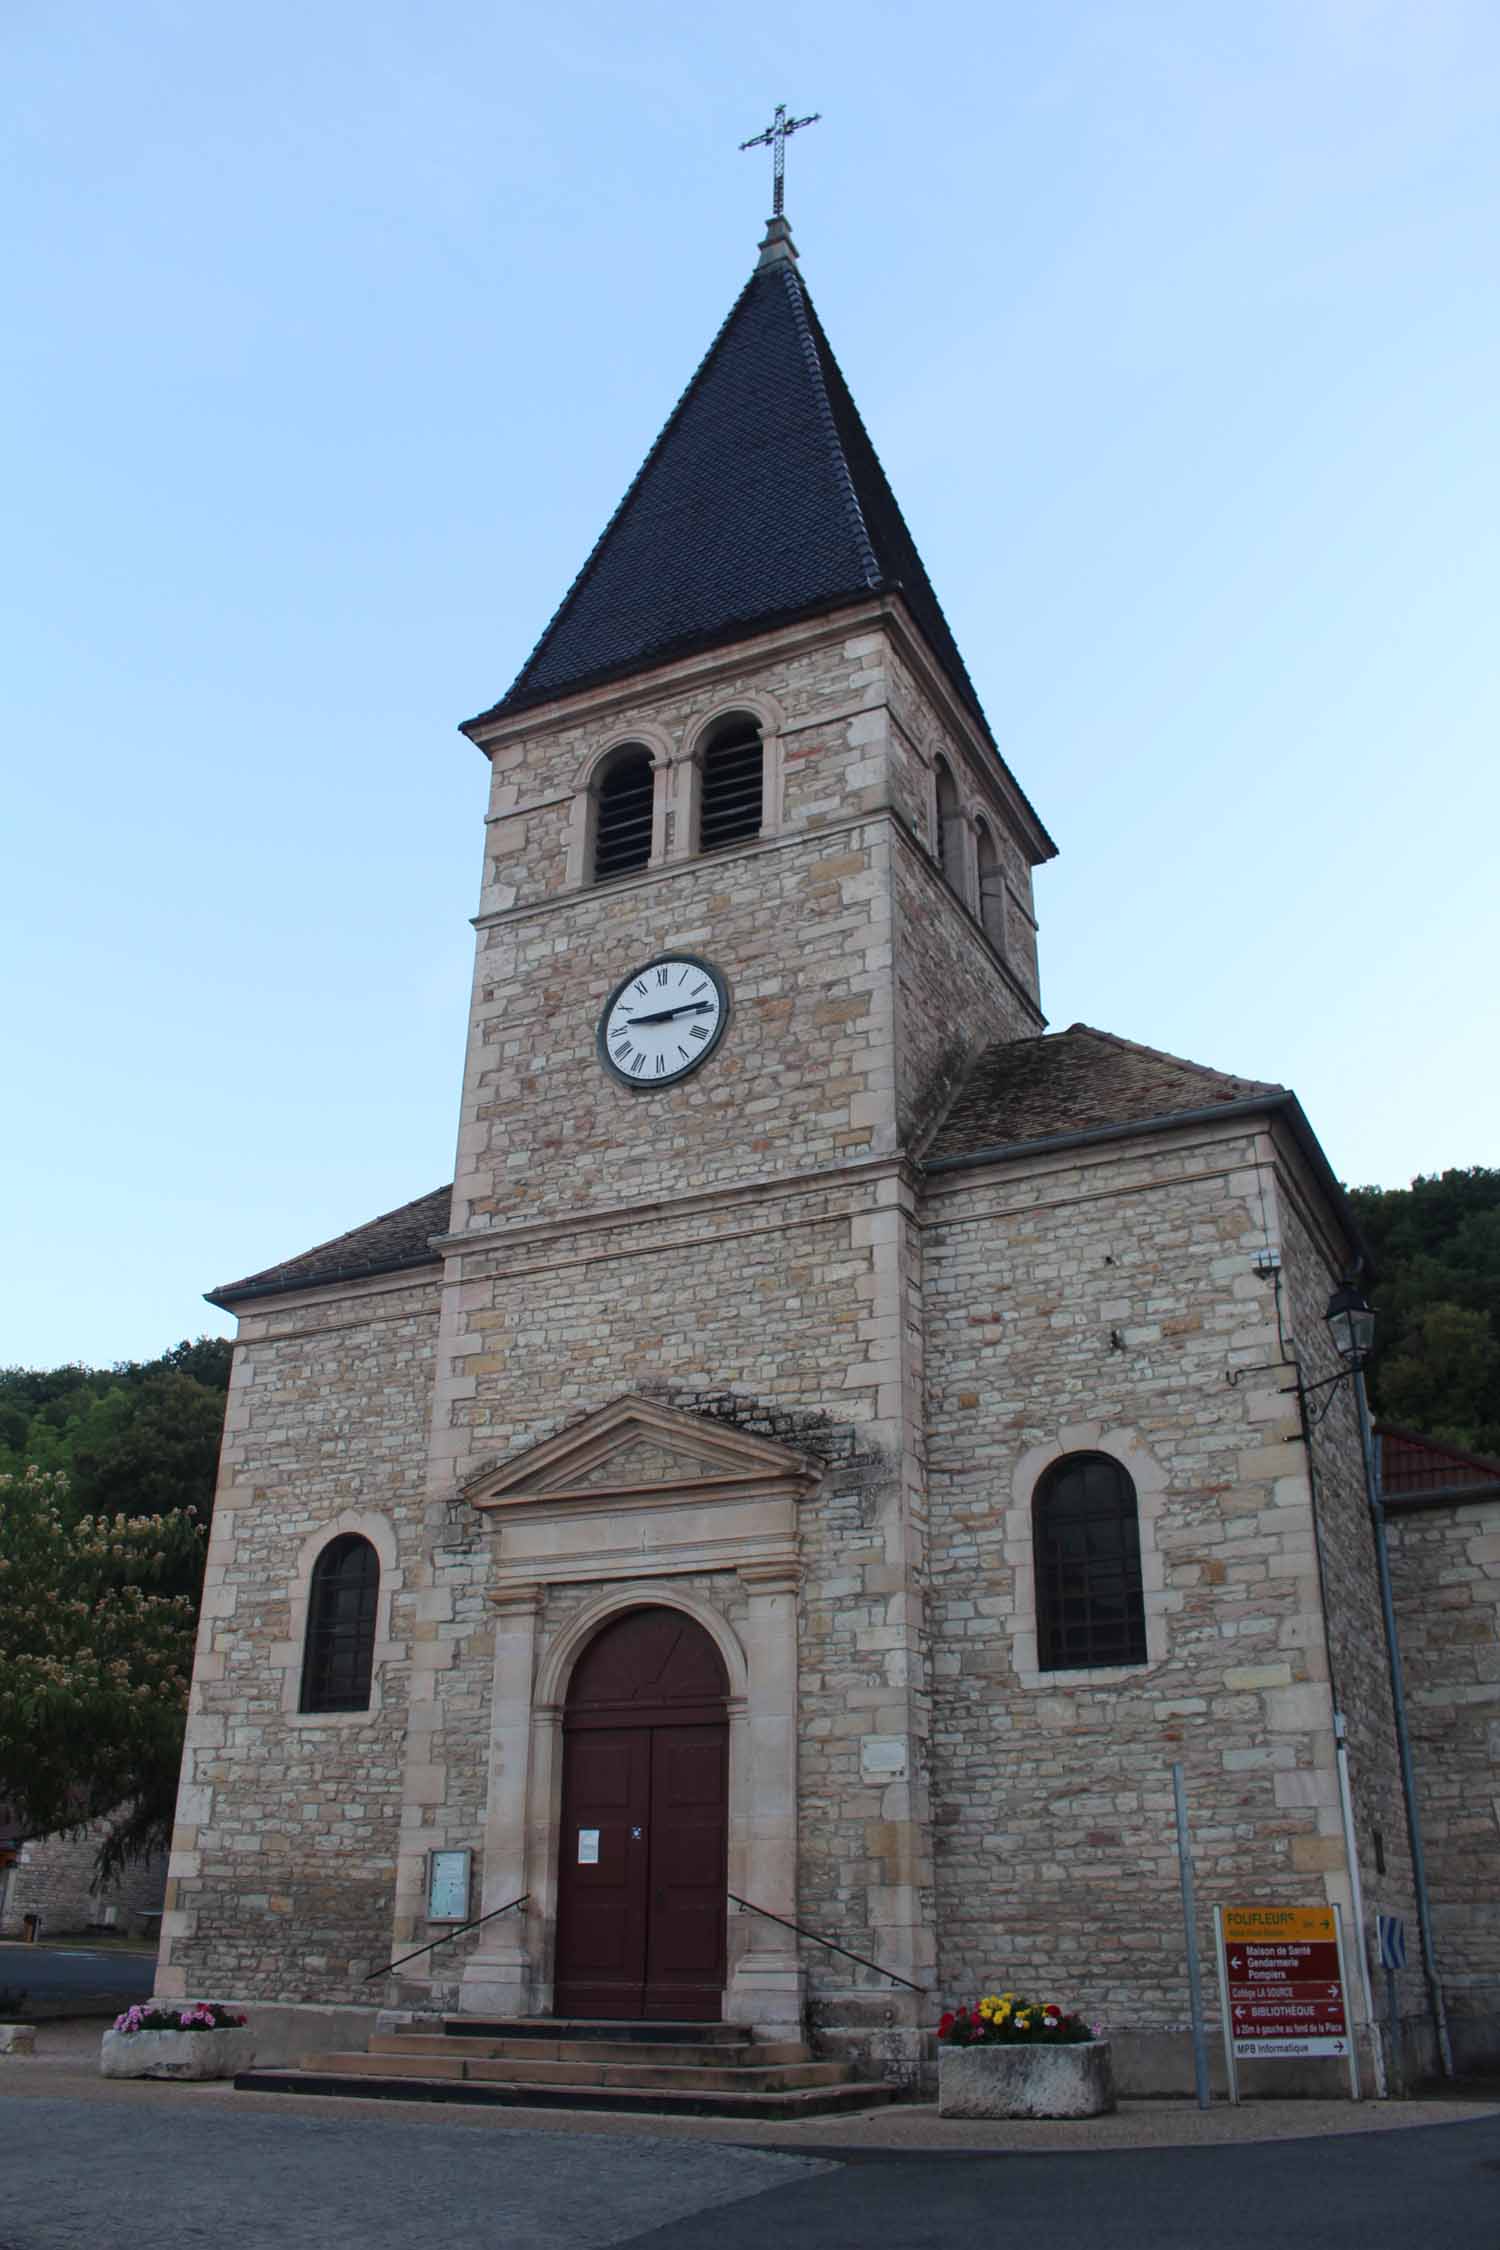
(339, 1655)
(622, 817)
(733, 785)
(1086, 1534)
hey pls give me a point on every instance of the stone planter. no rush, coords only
(176, 2054)
(1065, 2081)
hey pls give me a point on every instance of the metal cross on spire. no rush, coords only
(775, 138)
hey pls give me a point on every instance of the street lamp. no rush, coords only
(1351, 1324)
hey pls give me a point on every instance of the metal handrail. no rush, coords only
(878, 1966)
(447, 1934)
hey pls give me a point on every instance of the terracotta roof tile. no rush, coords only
(1413, 1467)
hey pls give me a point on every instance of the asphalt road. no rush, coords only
(1412, 2190)
(78, 2175)
(52, 1974)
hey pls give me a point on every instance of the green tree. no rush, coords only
(138, 1438)
(96, 1651)
(1436, 1247)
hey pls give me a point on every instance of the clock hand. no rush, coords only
(665, 1015)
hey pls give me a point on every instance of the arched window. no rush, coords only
(624, 795)
(1089, 1607)
(339, 1654)
(733, 784)
(950, 825)
(991, 885)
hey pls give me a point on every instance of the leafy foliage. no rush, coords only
(106, 1488)
(1436, 1366)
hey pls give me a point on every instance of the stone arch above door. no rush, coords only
(555, 1669)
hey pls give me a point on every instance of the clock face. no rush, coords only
(662, 1020)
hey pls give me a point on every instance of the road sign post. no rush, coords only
(1282, 1987)
(1390, 1934)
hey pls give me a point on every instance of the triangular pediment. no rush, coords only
(635, 1448)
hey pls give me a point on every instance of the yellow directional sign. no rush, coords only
(1273, 1925)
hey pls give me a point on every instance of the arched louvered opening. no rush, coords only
(991, 885)
(624, 795)
(338, 1656)
(732, 804)
(950, 825)
(1087, 1543)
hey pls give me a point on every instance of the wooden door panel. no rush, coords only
(640, 1927)
(689, 1837)
(603, 1902)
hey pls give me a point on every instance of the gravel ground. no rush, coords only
(78, 2175)
(94, 2164)
(66, 2063)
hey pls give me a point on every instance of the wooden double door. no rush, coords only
(644, 1844)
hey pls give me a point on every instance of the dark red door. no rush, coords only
(641, 1890)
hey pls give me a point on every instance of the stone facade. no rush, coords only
(282, 1873)
(1446, 1572)
(54, 1878)
(737, 1346)
(1113, 1301)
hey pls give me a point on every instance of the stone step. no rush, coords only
(642, 2075)
(777, 2106)
(632, 2030)
(757, 2054)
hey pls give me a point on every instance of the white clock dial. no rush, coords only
(663, 1020)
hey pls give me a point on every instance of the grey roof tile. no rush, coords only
(396, 1240)
(1075, 1081)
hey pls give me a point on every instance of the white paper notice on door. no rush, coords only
(588, 1847)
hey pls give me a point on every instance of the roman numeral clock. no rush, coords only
(663, 1020)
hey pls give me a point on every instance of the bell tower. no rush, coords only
(756, 883)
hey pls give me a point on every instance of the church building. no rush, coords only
(775, 1520)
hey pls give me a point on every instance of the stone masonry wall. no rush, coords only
(1311, 1270)
(950, 998)
(920, 733)
(1445, 1567)
(1099, 1304)
(800, 1080)
(54, 1877)
(284, 1851)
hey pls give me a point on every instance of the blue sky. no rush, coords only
(334, 335)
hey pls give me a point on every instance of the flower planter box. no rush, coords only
(1072, 2080)
(176, 2054)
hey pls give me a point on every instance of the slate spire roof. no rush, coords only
(762, 501)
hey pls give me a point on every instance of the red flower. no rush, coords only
(945, 2025)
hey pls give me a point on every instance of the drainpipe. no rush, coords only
(1403, 1739)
